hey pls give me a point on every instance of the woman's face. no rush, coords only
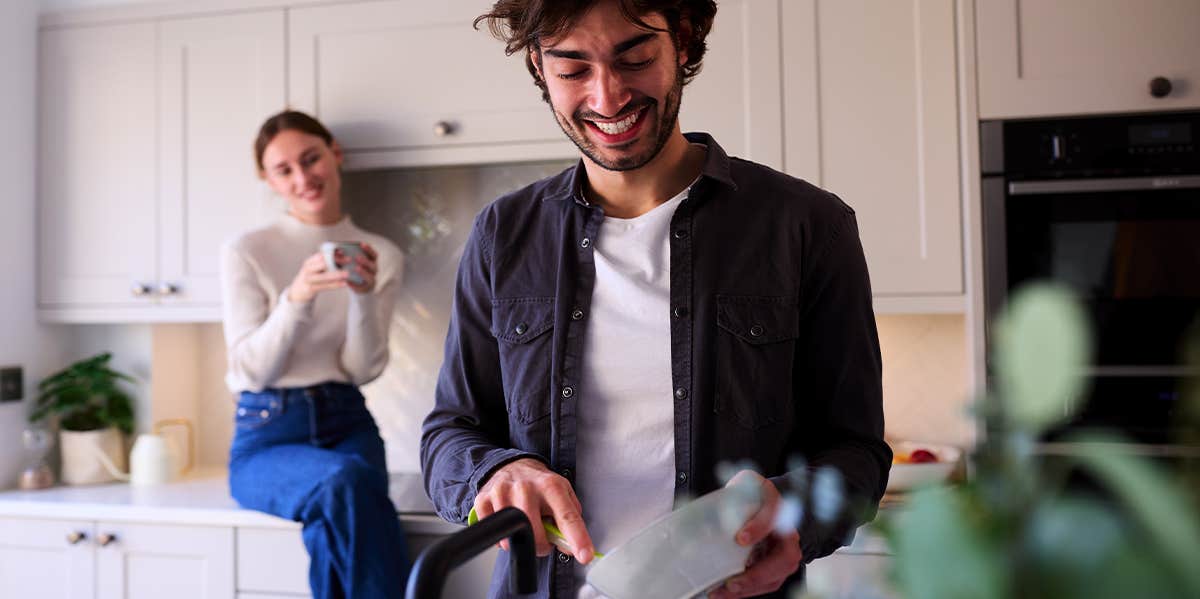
(303, 169)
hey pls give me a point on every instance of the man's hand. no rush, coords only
(530, 486)
(775, 559)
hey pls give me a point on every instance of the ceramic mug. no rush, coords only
(348, 250)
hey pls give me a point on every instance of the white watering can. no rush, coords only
(154, 460)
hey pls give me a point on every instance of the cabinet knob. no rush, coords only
(167, 289)
(105, 539)
(1160, 87)
(76, 537)
(140, 290)
(443, 128)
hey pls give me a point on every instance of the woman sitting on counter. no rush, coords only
(307, 304)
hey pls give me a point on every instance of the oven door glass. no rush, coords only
(1131, 256)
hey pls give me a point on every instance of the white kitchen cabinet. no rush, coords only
(412, 83)
(871, 114)
(51, 559)
(145, 163)
(151, 561)
(737, 95)
(1080, 56)
(96, 166)
(76, 559)
(219, 79)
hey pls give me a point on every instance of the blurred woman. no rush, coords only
(302, 334)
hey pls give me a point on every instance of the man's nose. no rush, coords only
(610, 94)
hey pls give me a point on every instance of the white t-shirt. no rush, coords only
(338, 336)
(625, 449)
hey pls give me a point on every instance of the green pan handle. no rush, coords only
(553, 534)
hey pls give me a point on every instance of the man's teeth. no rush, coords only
(620, 126)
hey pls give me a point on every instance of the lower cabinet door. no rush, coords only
(52, 559)
(144, 561)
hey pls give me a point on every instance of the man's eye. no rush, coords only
(569, 76)
(638, 65)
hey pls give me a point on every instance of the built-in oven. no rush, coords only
(1110, 207)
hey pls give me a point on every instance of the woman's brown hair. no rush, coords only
(522, 24)
(288, 120)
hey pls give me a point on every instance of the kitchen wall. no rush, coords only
(23, 341)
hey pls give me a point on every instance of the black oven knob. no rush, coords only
(1058, 147)
(1160, 87)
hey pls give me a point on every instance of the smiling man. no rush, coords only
(624, 327)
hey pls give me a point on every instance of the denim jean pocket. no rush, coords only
(756, 344)
(255, 410)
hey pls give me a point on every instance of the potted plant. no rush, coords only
(92, 412)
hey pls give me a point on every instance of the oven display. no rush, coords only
(1160, 134)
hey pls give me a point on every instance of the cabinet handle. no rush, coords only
(76, 537)
(167, 289)
(1160, 87)
(443, 128)
(140, 290)
(105, 539)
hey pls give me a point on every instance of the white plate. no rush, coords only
(678, 556)
(909, 476)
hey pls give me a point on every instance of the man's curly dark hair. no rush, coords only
(522, 24)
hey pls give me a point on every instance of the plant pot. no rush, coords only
(84, 453)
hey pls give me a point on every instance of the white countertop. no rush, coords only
(201, 499)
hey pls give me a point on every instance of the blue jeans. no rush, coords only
(314, 455)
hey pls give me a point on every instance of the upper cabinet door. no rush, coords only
(1040, 58)
(736, 96)
(221, 77)
(96, 162)
(415, 81)
(872, 116)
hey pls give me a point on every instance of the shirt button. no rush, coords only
(756, 330)
(681, 477)
(241, 411)
(681, 393)
(585, 243)
(264, 414)
(566, 473)
(564, 558)
(681, 234)
(577, 314)
(568, 392)
(521, 328)
(680, 312)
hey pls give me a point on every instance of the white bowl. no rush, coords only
(904, 477)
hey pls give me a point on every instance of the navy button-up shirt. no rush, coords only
(774, 351)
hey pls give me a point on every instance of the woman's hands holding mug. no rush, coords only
(315, 275)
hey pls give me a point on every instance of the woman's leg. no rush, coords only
(320, 461)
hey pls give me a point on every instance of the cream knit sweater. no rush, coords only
(339, 335)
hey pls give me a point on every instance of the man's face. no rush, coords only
(614, 87)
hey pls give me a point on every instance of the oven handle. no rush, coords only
(1018, 188)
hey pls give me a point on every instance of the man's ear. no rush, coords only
(683, 38)
(535, 60)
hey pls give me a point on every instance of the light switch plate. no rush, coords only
(12, 385)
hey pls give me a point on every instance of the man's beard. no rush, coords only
(665, 123)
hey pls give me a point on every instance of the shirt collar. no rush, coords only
(716, 167)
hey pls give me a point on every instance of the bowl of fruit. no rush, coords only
(920, 464)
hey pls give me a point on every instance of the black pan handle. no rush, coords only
(435, 563)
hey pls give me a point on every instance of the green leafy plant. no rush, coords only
(1017, 528)
(85, 396)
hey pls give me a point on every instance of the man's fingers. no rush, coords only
(760, 524)
(526, 499)
(568, 517)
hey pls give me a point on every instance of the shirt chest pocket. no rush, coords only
(756, 345)
(522, 327)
